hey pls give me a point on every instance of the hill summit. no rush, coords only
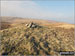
(31, 38)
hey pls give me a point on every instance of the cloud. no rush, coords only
(29, 9)
(20, 8)
(24, 9)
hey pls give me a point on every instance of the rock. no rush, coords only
(32, 25)
(26, 25)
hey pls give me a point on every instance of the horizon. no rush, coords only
(38, 19)
(62, 11)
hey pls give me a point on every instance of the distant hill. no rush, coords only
(13, 21)
(8, 19)
(40, 38)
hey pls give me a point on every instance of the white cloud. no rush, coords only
(20, 8)
(27, 9)
(24, 9)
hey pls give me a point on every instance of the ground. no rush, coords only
(48, 39)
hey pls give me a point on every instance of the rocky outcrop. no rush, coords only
(32, 25)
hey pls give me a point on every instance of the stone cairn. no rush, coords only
(32, 25)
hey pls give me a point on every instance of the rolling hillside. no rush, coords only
(40, 38)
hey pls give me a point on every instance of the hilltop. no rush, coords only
(14, 21)
(37, 38)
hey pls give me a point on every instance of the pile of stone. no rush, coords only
(32, 25)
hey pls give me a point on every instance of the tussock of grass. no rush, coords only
(21, 40)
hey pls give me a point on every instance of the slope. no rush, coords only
(22, 40)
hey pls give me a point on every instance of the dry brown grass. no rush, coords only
(21, 40)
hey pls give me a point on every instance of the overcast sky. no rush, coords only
(52, 10)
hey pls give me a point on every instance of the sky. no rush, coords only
(62, 11)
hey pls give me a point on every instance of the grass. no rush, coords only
(21, 40)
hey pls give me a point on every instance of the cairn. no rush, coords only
(32, 25)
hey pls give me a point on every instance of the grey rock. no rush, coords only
(32, 25)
